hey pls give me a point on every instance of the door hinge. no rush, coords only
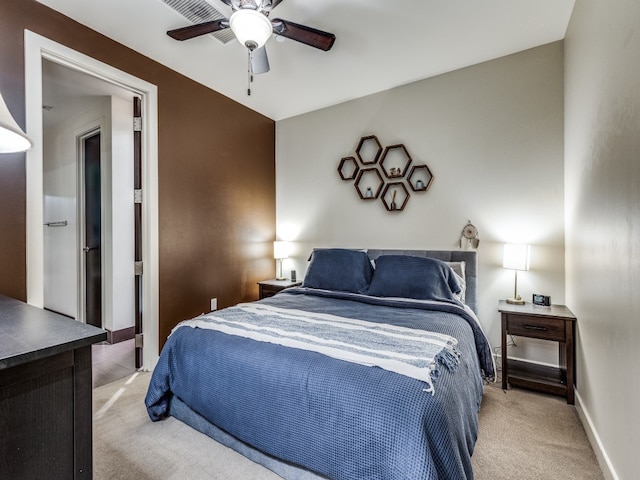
(137, 195)
(137, 268)
(137, 124)
(139, 340)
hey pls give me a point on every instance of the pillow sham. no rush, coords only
(420, 278)
(458, 268)
(339, 269)
(461, 295)
(459, 271)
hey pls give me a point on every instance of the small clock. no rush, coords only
(543, 300)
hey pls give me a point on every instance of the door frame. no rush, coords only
(37, 48)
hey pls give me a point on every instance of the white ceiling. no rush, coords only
(380, 44)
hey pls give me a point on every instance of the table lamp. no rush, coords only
(280, 252)
(516, 257)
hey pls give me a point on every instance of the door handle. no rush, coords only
(86, 249)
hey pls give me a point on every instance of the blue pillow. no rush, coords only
(339, 269)
(420, 278)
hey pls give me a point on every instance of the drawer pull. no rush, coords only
(535, 327)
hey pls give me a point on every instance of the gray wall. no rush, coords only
(492, 135)
(602, 172)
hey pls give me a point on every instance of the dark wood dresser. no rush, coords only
(46, 416)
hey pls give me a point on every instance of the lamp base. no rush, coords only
(516, 301)
(279, 275)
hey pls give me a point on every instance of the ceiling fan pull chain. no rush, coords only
(249, 73)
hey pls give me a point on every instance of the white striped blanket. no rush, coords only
(407, 351)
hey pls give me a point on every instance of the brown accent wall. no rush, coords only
(216, 174)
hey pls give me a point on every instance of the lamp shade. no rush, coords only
(280, 249)
(251, 28)
(516, 257)
(12, 138)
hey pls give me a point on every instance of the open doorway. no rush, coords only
(41, 53)
(88, 182)
(88, 185)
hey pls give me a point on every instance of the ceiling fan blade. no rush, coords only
(192, 31)
(275, 3)
(303, 34)
(259, 61)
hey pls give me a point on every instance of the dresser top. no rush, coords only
(29, 333)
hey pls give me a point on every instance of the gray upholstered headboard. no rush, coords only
(467, 256)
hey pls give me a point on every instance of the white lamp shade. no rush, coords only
(251, 28)
(12, 138)
(516, 257)
(281, 250)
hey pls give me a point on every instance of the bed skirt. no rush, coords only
(287, 471)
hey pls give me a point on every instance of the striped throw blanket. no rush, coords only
(407, 351)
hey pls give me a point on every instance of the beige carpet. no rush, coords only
(128, 446)
(523, 435)
(531, 436)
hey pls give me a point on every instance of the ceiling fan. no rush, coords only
(252, 27)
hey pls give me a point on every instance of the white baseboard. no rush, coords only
(601, 455)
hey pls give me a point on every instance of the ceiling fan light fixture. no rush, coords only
(251, 28)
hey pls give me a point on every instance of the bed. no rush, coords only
(373, 369)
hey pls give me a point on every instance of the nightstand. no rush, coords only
(555, 323)
(268, 288)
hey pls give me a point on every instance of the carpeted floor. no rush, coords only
(523, 435)
(531, 436)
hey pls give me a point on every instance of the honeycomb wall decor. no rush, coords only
(388, 174)
(369, 150)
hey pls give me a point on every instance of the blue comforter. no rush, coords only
(339, 419)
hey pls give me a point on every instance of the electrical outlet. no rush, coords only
(214, 304)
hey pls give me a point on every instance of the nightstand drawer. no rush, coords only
(536, 327)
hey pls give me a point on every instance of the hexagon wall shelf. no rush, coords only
(420, 178)
(348, 168)
(388, 174)
(369, 183)
(369, 150)
(395, 196)
(395, 161)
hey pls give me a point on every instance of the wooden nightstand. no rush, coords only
(555, 323)
(268, 288)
